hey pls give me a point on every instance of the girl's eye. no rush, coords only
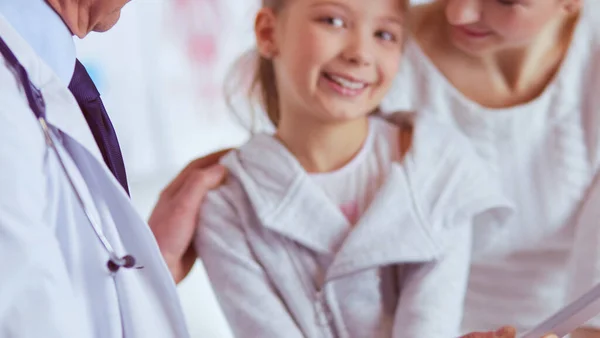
(386, 36)
(334, 21)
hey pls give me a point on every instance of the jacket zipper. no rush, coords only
(323, 316)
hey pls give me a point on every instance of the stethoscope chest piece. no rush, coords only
(127, 261)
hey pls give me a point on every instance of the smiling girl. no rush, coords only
(329, 227)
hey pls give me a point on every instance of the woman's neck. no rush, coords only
(533, 65)
(497, 79)
(322, 146)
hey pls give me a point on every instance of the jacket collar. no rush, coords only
(392, 230)
(288, 202)
(441, 184)
(284, 198)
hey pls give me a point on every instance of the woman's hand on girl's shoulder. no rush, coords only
(175, 216)
(504, 332)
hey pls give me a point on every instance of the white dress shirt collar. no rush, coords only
(45, 31)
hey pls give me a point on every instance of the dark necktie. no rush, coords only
(89, 101)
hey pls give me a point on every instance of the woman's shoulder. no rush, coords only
(417, 75)
(411, 84)
(443, 162)
(434, 146)
(581, 77)
(437, 139)
(589, 16)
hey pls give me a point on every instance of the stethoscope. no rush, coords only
(38, 106)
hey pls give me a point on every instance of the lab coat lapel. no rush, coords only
(284, 197)
(156, 290)
(66, 116)
(150, 287)
(142, 293)
(391, 231)
(64, 113)
(139, 289)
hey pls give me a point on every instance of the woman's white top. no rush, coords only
(546, 154)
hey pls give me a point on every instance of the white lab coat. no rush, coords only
(53, 276)
(285, 262)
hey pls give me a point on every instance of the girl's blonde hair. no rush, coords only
(262, 87)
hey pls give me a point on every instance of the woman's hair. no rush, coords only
(261, 87)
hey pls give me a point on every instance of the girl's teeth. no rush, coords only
(347, 83)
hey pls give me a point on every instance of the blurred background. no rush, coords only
(161, 72)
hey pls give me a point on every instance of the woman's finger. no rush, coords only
(190, 169)
(503, 332)
(480, 335)
(506, 332)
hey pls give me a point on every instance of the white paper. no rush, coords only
(569, 318)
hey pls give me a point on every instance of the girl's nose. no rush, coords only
(358, 50)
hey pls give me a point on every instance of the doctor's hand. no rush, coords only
(504, 332)
(175, 216)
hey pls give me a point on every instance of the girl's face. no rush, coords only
(334, 59)
(480, 26)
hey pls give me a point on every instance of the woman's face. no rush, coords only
(481, 26)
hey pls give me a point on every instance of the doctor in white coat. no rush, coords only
(76, 260)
